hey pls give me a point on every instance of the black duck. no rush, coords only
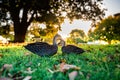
(70, 48)
(43, 48)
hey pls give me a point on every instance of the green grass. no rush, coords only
(100, 62)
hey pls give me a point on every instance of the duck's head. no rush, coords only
(62, 42)
(58, 40)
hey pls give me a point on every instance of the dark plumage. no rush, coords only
(70, 48)
(43, 48)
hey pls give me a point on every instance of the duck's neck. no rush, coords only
(55, 41)
(57, 36)
(62, 43)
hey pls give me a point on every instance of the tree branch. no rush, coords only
(32, 17)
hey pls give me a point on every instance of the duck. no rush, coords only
(68, 49)
(43, 48)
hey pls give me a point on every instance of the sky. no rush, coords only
(113, 6)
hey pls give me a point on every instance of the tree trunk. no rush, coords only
(20, 24)
(19, 27)
(20, 32)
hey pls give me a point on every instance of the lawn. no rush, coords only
(99, 62)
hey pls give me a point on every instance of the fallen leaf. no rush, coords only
(27, 78)
(27, 53)
(73, 75)
(5, 78)
(29, 70)
(6, 67)
(64, 67)
(18, 78)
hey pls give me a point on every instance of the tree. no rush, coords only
(5, 29)
(43, 32)
(4, 25)
(23, 12)
(108, 29)
(77, 36)
(77, 33)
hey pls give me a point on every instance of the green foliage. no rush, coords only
(46, 32)
(48, 11)
(77, 36)
(108, 29)
(77, 33)
(4, 30)
(49, 31)
(100, 62)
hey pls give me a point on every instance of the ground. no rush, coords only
(99, 62)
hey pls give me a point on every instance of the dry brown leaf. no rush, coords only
(27, 78)
(18, 78)
(29, 70)
(5, 78)
(73, 75)
(27, 53)
(6, 67)
(64, 67)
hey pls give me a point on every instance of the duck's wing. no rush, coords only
(72, 49)
(41, 48)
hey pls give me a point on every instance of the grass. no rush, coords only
(100, 62)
